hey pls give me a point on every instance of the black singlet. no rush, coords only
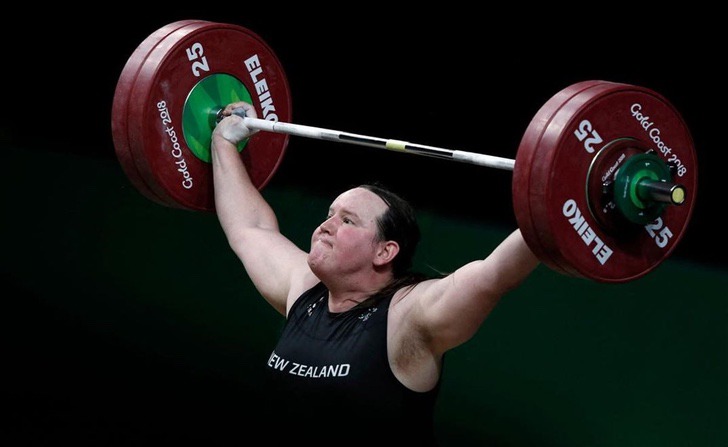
(332, 368)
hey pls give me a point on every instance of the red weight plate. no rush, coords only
(559, 203)
(163, 85)
(119, 117)
(541, 173)
(530, 153)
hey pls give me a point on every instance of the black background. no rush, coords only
(447, 77)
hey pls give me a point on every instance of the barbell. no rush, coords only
(604, 179)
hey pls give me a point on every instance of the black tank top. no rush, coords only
(332, 368)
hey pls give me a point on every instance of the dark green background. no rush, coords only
(128, 323)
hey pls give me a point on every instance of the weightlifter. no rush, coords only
(360, 358)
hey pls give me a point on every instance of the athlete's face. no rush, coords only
(347, 241)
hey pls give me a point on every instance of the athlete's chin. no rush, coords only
(319, 262)
(315, 260)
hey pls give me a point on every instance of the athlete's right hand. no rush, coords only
(232, 126)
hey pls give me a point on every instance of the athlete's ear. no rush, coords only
(386, 252)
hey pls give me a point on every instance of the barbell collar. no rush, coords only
(663, 192)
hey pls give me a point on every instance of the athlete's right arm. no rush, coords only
(272, 261)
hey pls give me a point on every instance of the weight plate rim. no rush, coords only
(522, 175)
(135, 109)
(544, 173)
(120, 105)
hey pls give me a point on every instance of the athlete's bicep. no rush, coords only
(273, 263)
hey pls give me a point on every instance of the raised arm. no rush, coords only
(447, 312)
(271, 260)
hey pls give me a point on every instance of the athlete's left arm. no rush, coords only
(449, 311)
